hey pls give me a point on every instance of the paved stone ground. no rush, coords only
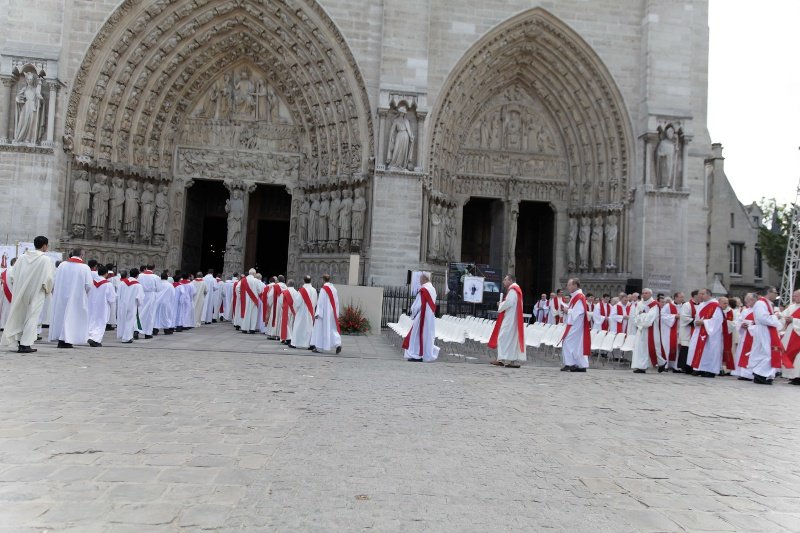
(217, 430)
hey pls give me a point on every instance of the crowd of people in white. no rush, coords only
(78, 301)
(753, 339)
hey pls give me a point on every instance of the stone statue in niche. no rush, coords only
(584, 234)
(131, 220)
(30, 108)
(333, 220)
(435, 231)
(513, 216)
(148, 209)
(162, 211)
(401, 142)
(210, 108)
(313, 219)
(572, 244)
(359, 210)
(100, 198)
(116, 210)
(244, 102)
(324, 212)
(302, 222)
(611, 241)
(597, 243)
(345, 214)
(234, 206)
(666, 159)
(80, 203)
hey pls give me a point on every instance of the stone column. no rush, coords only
(236, 207)
(510, 240)
(6, 110)
(51, 113)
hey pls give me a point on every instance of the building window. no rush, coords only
(733, 224)
(736, 257)
(756, 221)
(759, 273)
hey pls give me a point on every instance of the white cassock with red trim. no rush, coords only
(304, 306)
(326, 325)
(70, 322)
(423, 330)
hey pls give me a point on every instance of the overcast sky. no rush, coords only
(754, 94)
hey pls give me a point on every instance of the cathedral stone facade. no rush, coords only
(544, 138)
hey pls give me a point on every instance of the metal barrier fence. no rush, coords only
(398, 300)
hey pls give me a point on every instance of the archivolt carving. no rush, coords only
(152, 60)
(533, 59)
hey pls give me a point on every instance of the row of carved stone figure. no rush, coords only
(585, 243)
(119, 207)
(331, 221)
(441, 233)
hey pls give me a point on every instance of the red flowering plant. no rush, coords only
(352, 321)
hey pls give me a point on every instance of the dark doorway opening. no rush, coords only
(534, 251)
(268, 218)
(482, 232)
(205, 228)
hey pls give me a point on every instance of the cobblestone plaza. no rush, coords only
(216, 430)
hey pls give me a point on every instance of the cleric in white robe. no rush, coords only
(618, 319)
(304, 315)
(508, 336)
(768, 354)
(151, 283)
(101, 296)
(326, 335)
(227, 297)
(209, 299)
(287, 311)
(576, 342)
(705, 348)
(274, 329)
(199, 298)
(184, 306)
(130, 300)
(5, 294)
(745, 325)
(219, 287)
(791, 337)
(647, 351)
(250, 288)
(419, 344)
(73, 281)
(30, 280)
(541, 309)
(165, 306)
(601, 314)
(670, 315)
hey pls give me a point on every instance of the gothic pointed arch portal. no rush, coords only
(531, 114)
(247, 92)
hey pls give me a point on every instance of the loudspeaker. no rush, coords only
(633, 285)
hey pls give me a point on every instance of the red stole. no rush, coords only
(233, 302)
(276, 292)
(556, 306)
(427, 301)
(307, 300)
(746, 340)
(6, 290)
(520, 322)
(621, 311)
(288, 304)
(129, 282)
(333, 305)
(98, 284)
(587, 338)
(605, 311)
(265, 303)
(651, 335)
(246, 290)
(694, 315)
(777, 352)
(705, 314)
(75, 260)
(727, 341)
(145, 271)
(673, 335)
(793, 347)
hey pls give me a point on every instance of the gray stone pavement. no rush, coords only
(216, 430)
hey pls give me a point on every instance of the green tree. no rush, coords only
(773, 236)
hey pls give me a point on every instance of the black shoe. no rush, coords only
(761, 380)
(238, 328)
(155, 332)
(315, 350)
(794, 381)
(567, 368)
(707, 375)
(62, 344)
(723, 373)
(312, 347)
(95, 344)
(749, 379)
(213, 321)
(338, 349)
(179, 329)
(252, 332)
(109, 327)
(168, 332)
(662, 368)
(292, 346)
(640, 371)
(148, 337)
(676, 371)
(414, 360)
(26, 349)
(136, 335)
(575, 369)
(128, 342)
(38, 337)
